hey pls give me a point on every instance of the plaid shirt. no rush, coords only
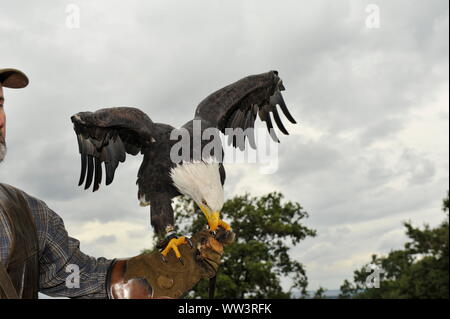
(56, 251)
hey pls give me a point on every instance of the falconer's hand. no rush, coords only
(148, 276)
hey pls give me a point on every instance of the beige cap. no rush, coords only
(12, 78)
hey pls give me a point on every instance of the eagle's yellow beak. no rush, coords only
(212, 217)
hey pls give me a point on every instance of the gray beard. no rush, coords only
(2, 151)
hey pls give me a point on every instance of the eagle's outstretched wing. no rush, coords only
(105, 136)
(236, 106)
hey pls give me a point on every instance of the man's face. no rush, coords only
(2, 126)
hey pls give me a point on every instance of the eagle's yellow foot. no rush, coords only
(224, 225)
(213, 219)
(173, 245)
(214, 222)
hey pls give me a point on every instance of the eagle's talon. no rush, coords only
(164, 242)
(163, 259)
(224, 225)
(212, 232)
(173, 245)
(189, 241)
(226, 237)
(181, 260)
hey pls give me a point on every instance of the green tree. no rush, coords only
(320, 293)
(253, 266)
(420, 270)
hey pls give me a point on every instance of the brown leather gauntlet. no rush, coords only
(148, 276)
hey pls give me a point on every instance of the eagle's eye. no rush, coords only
(204, 202)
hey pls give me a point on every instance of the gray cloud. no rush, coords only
(105, 239)
(381, 130)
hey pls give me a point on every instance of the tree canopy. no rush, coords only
(420, 270)
(254, 265)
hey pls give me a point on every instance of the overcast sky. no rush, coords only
(370, 151)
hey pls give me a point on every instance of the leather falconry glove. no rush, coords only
(148, 276)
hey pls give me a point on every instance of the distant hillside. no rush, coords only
(329, 294)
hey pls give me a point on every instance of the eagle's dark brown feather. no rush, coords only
(236, 106)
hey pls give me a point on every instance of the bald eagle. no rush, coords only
(107, 135)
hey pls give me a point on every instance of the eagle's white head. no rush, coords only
(200, 180)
